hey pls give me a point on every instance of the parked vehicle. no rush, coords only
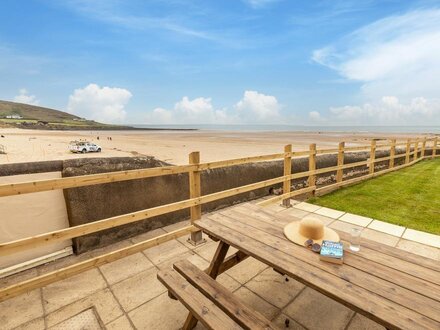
(83, 147)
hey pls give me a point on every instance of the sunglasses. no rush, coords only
(315, 247)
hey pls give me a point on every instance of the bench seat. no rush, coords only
(209, 301)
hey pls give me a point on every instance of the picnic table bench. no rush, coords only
(395, 288)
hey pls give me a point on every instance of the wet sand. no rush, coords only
(171, 146)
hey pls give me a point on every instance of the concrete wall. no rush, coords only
(87, 204)
(29, 215)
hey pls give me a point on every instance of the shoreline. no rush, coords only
(173, 146)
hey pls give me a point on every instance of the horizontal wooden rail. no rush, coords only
(10, 189)
(239, 161)
(42, 280)
(90, 179)
(327, 151)
(92, 227)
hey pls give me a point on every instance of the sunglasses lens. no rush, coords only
(316, 247)
(308, 243)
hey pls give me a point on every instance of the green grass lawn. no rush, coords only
(409, 197)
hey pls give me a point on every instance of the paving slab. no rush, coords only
(126, 267)
(307, 207)
(356, 219)
(138, 289)
(85, 320)
(419, 248)
(246, 270)
(331, 213)
(121, 323)
(64, 292)
(206, 251)
(422, 237)
(316, 311)
(102, 301)
(159, 313)
(273, 287)
(379, 237)
(190, 256)
(387, 228)
(280, 323)
(21, 309)
(360, 322)
(36, 324)
(165, 251)
(256, 303)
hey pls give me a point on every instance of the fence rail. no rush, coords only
(196, 199)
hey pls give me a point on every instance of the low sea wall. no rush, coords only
(96, 202)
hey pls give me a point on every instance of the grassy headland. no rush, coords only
(35, 117)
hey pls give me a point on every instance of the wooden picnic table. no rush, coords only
(395, 288)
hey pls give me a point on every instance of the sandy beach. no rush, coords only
(171, 146)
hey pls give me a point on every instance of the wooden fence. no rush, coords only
(412, 154)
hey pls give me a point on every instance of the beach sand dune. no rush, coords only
(171, 146)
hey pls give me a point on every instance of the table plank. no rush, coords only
(401, 295)
(409, 282)
(385, 249)
(367, 251)
(384, 311)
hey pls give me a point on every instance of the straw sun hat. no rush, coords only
(301, 231)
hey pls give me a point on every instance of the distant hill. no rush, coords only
(28, 111)
(35, 117)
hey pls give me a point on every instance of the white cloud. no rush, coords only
(397, 55)
(258, 107)
(105, 104)
(388, 111)
(253, 108)
(24, 97)
(315, 116)
(197, 111)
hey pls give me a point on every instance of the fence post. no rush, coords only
(434, 147)
(372, 156)
(408, 148)
(340, 172)
(312, 166)
(423, 148)
(392, 153)
(416, 150)
(196, 237)
(287, 172)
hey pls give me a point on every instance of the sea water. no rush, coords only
(298, 128)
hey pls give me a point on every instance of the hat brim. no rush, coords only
(291, 231)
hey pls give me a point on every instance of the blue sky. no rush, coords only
(234, 62)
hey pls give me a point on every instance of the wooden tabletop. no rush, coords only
(393, 287)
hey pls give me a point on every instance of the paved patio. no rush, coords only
(125, 294)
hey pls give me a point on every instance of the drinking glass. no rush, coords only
(355, 239)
